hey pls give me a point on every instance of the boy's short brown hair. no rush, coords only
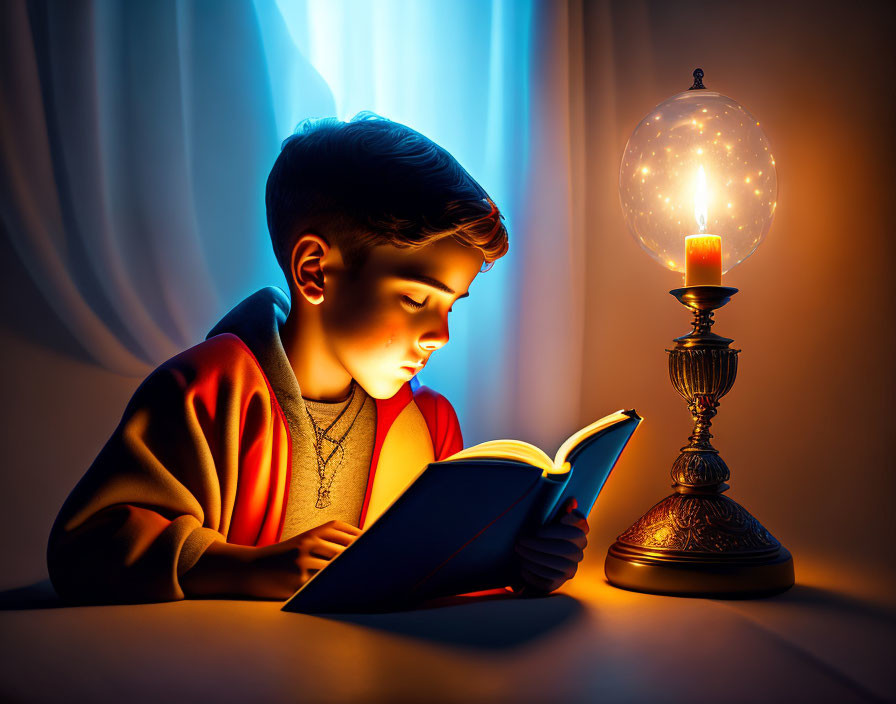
(371, 181)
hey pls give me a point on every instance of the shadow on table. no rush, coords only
(831, 601)
(489, 622)
(39, 595)
(845, 636)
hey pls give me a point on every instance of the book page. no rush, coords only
(516, 450)
(586, 432)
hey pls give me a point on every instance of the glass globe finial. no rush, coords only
(698, 163)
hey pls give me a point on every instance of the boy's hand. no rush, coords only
(551, 556)
(277, 571)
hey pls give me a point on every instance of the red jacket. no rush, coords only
(202, 453)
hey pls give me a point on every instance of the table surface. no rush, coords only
(829, 639)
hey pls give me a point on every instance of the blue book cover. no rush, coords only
(453, 529)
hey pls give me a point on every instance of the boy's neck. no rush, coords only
(320, 376)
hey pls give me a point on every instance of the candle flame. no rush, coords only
(700, 200)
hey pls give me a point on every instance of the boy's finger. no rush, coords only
(577, 519)
(345, 527)
(336, 536)
(547, 573)
(326, 549)
(540, 584)
(564, 548)
(312, 563)
(567, 565)
(562, 531)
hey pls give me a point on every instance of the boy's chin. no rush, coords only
(380, 389)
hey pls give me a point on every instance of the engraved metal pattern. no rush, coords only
(708, 524)
(699, 469)
(697, 372)
(702, 377)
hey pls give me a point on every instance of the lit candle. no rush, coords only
(702, 253)
(703, 260)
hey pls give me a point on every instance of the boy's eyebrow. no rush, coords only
(429, 281)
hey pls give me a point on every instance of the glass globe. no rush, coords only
(698, 163)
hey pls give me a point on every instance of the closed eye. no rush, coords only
(412, 304)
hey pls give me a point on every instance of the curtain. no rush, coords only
(137, 137)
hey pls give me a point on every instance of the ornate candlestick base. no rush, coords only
(698, 542)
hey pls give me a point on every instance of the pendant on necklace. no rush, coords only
(323, 498)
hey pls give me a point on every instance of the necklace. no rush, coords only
(321, 434)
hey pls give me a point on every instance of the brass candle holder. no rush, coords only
(698, 542)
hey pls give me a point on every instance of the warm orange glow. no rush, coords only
(700, 200)
(703, 260)
(703, 253)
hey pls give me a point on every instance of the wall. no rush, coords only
(808, 428)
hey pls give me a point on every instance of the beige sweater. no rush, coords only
(345, 474)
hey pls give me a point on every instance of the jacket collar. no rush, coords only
(256, 320)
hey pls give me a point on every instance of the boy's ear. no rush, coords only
(306, 266)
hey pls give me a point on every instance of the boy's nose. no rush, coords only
(431, 344)
(436, 338)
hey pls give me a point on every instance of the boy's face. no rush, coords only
(384, 321)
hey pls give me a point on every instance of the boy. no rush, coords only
(245, 463)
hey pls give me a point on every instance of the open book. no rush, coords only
(453, 529)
